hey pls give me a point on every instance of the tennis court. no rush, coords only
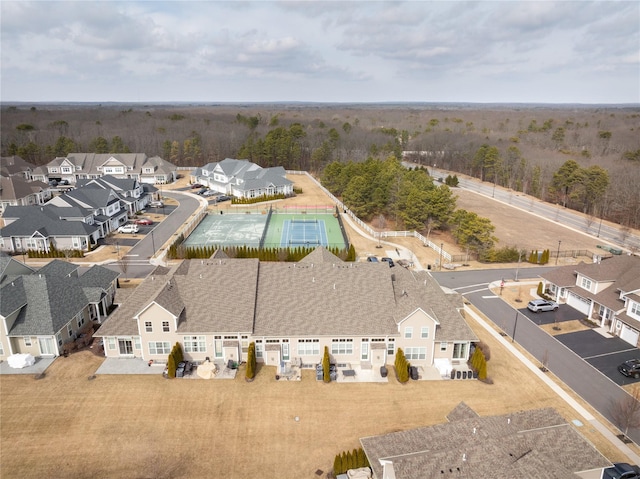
(276, 230)
(228, 230)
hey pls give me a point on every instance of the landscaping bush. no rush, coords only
(402, 366)
(251, 361)
(326, 365)
(350, 460)
(171, 366)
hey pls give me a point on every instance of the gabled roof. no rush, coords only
(109, 182)
(527, 444)
(45, 220)
(319, 296)
(10, 268)
(11, 165)
(89, 162)
(89, 197)
(16, 187)
(47, 299)
(253, 176)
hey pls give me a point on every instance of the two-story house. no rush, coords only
(105, 204)
(243, 179)
(129, 190)
(41, 311)
(79, 166)
(16, 166)
(363, 312)
(16, 191)
(606, 291)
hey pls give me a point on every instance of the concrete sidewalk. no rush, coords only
(586, 415)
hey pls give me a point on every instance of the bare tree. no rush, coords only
(626, 411)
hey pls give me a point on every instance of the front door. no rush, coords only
(46, 347)
(126, 347)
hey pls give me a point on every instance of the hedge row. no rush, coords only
(350, 460)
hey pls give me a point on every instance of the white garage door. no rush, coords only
(578, 303)
(630, 335)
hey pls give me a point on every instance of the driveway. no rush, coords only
(564, 313)
(603, 353)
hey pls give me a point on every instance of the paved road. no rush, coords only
(584, 379)
(564, 216)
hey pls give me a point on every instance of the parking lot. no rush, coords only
(605, 353)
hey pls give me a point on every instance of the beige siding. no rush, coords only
(417, 321)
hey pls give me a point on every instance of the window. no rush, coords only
(111, 343)
(285, 350)
(391, 347)
(416, 353)
(586, 284)
(459, 350)
(148, 327)
(635, 308)
(308, 347)
(165, 326)
(69, 331)
(259, 348)
(245, 344)
(81, 320)
(136, 342)
(342, 346)
(195, 344)
(408, 332)
(444, 346)
(27, 341)
(217, 346)
(1, 349)
(159, 347)
(424, 332)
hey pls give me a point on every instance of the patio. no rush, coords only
(39, 367)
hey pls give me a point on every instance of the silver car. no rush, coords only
(538, 305)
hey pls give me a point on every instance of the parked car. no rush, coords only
(223, 198)
(620, 470)
(143, 221)
(630, 368)
(538, 305)
(196, 185)
(388, 260)
(210, 193)
(130, 228)
(156, 204)
(372, 259)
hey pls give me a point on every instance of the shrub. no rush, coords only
(326, 365)
(251, 361)
(402, 366)
(171, 366)
(540, 290)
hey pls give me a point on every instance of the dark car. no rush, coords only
(620, 470)
(630, 368)
(222, 198)
(196, 185)
(143, 221)
(538, 305)
(372, 259)
(388, 260)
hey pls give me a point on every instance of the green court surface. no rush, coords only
(280, 230)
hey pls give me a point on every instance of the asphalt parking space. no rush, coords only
(604, 354)
(564, 313)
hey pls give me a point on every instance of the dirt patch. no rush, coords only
(565, 327)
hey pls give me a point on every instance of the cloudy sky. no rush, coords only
(330, 51)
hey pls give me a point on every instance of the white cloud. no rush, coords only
(321, 51)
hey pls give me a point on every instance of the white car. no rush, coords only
(131, 228)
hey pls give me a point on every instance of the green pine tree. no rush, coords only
(326, 364)
(171, 366)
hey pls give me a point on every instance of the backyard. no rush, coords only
(146, 426)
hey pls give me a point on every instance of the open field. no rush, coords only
(147, 426)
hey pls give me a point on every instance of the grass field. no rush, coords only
(67, 425)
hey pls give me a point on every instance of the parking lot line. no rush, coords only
(609, 354)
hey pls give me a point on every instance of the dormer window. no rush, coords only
(586, 284)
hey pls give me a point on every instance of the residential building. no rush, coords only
(41, 228)
(130, 191)
(606, 291)
(16, 191)
(79, 166)
(363, 312)
(243, 179)
(16, 166)
(524, 444)
(41, 311)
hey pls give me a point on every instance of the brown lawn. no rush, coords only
(67, 425)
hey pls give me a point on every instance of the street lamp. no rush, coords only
(558, 254)
(441, 246)
(153, 244)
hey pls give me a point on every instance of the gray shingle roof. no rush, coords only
(45, 220)
(523, 444)
(49, 298)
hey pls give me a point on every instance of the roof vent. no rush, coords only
(508, 420)
(464, 458)
(334, 285)
(393, 277)
(313, 280)
(474, 430)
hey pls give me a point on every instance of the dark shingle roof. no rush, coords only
(45, 220)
